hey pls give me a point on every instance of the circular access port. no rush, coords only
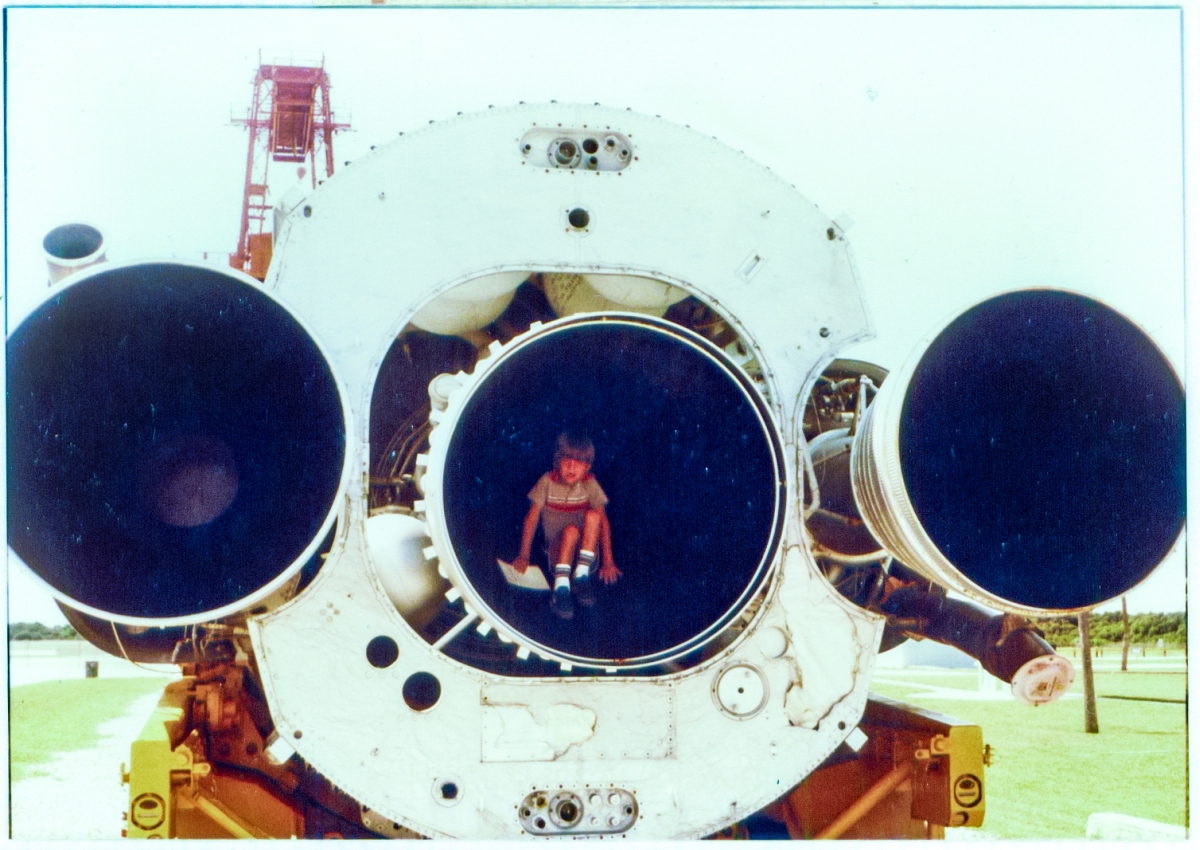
(590, 146)
(683, 450)
(566, 152)
(579, 218)
(565, 810)
(447, 791)
(740, 691)
(421, 691)
(382, 652)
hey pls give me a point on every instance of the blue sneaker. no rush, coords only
(561, 603)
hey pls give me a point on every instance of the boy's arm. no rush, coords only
(608, 569)
(521, 563)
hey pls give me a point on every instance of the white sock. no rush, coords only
(562, 576)
(583, 566)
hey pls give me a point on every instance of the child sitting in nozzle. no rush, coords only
(570, 504)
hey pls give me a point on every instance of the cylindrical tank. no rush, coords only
(471, 305)
(570, 294)
(176, 443)
(636, 292)
(395, 541)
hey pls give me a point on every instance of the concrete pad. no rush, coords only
(1111, 826)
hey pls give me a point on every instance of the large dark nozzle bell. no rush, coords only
(1031, 457)
(176, 443)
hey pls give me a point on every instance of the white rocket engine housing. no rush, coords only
(621, 215)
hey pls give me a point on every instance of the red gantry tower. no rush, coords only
(290, 120)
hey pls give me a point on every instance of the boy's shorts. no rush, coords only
(553, 525)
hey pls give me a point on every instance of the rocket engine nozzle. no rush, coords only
(72, 247)
(685, 448)
(176, 443)
(1031, 456)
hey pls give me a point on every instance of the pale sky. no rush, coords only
(976, 150)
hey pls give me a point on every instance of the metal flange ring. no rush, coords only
(686, 448)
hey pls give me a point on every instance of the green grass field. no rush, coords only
(1047, 774)
(63, 716)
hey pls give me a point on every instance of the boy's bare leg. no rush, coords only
(561, 600)
(568, 541)
(592, 522)
(591, 530)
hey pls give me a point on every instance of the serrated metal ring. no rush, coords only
(434, 486)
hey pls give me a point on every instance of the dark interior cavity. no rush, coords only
(1042, 445)
(682, 453)
(175, 440)
(72, 241)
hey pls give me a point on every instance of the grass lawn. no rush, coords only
(1047, 774)
(62, 716)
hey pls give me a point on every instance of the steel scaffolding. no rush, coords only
(290, 120)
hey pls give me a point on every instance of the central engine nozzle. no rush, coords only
(1032, 456)
(686, 449)
(176, 443)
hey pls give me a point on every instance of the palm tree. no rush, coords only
(1124, 636)
(1090, 723)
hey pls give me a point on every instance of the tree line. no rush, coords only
(1106, 629)
(1059, 631)
(36, 631)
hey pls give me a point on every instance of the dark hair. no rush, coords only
(575, 446)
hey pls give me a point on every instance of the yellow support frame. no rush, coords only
(158, 760)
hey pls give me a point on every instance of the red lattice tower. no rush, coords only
(290, 120)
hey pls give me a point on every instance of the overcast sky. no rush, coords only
(976, 150)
